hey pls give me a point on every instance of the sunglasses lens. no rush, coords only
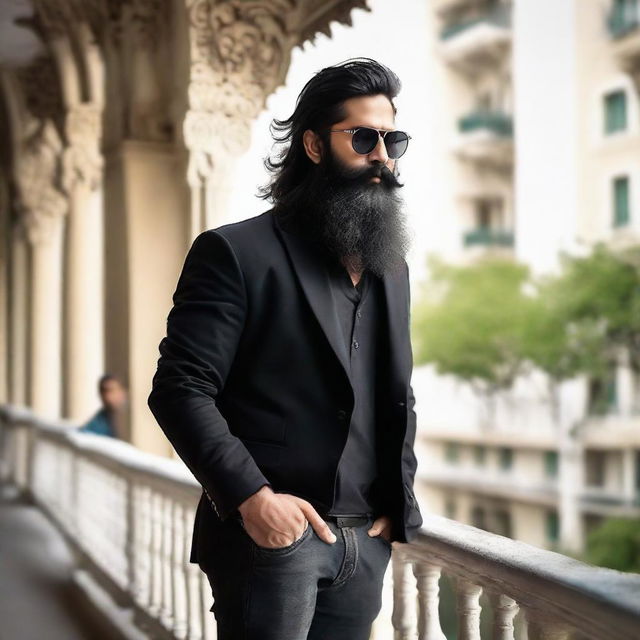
(364, 140)
(396, 143)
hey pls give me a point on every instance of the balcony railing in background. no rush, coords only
(499, 123)
(128, 516)
(498, 15)
(484, 236)
(624, 17)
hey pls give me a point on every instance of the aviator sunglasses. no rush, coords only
(365, 139)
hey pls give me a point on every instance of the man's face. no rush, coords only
(364, 111)
(113, 394)
(350, 202)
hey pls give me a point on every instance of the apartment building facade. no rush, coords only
(539, 103)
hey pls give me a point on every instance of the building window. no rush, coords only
(502, 519)
(551, 464)
(452, 452)
(505, 457)
(603, 392)
(621, 205)
(595, 463)
(479, 518)
(552, 526)
(615, 112)
(480, 455)
(450, 508)
(624, 17)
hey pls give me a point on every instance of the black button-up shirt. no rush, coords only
(360, 311)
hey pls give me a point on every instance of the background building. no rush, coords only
(538, 115)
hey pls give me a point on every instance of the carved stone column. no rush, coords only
(84, 261)
(239, 53)
(19, 314)
(42, 208)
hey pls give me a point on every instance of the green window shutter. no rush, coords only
(452, 452)
(506, 458)
(450, 509)
(551, 464)
(552, 526)
(479, 455)
(621, 205)
(615, 110)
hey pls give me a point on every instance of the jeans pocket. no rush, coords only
(290, 547)
(385, 542)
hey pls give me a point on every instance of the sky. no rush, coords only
(394, 33)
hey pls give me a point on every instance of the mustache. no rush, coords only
(363, 175)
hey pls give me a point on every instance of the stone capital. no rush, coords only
(82, 159)
(42, 204)
(240, 52)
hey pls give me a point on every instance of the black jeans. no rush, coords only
(309, 590)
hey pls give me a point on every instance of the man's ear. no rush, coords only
(312, 145)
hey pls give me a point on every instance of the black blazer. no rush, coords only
(252, 383)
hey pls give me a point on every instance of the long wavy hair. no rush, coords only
(319, 105)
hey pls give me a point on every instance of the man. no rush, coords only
(283, 381)
(108, 420)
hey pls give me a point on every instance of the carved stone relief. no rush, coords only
(42, 204)
(82, 160)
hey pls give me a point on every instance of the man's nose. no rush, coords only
(379, 152)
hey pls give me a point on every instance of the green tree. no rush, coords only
(472, 321)
(604, 288)
(615, 544)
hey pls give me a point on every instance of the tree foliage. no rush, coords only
(472, 322)
(488, 322)
(615, 544)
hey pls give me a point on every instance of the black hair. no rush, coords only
(318, 106)
(109, 376)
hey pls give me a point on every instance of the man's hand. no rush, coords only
(381, 526)
(279, 519)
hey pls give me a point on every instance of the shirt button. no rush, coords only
(342, 414)
(359, 313)
(355, 344)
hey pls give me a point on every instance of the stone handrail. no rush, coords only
(559, 597)
(128, 516)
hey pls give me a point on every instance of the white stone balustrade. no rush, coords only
(559, 598)
(129, 517)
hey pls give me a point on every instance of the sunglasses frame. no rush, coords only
(381, 134)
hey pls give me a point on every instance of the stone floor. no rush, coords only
(37, 598)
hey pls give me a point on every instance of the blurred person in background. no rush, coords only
(284, 379)
(109, 419)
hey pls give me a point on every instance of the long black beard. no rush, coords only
(347, 215)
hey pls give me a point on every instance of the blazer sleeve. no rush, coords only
(203, 331)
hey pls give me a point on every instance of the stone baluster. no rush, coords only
(166, 609)
(504, 611)
(427, 577)
(403, 617)
(131, 536)
(179, 560)
(155, 604)
(468, 608)
(144, 546)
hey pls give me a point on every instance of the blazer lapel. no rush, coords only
(314, 279)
